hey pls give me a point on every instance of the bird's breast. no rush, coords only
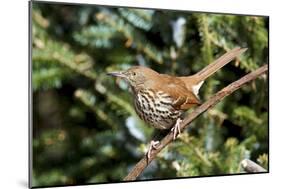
(156, 109)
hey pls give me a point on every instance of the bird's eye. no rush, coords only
(134, 73)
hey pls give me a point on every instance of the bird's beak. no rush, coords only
(117, 74)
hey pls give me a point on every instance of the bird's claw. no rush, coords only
(176, 129)
(154, 145)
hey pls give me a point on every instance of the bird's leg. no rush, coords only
(176, 129)
(152, 146)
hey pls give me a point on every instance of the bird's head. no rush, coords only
(136, 76)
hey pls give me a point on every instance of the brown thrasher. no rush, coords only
(161, 99)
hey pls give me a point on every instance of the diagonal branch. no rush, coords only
(144, 162)
(251, 167)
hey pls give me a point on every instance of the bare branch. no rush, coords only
(144, 162)
(251, 167)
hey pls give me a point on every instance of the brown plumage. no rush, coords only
(160, 99)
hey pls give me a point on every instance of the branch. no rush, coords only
(251, 167)
(144, 162)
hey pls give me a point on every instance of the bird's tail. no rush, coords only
(195, 81)
(216, 65)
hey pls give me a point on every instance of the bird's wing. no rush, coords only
(176, 89)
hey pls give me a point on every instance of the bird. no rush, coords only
(160, 99)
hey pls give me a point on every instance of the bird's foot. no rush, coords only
(154, 145)
(176, 129)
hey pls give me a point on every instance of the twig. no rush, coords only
(251, 167)
(144, 162)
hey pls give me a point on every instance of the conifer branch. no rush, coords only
(144, 162)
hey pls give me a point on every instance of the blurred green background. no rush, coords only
(85, 129)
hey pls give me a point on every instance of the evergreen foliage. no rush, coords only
(85, 129)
